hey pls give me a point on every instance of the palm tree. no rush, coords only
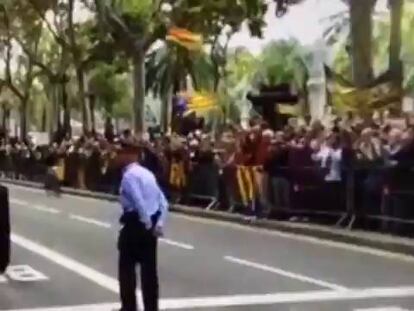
(240, 75)
(167, 69)
(279, 62)
(284, 62)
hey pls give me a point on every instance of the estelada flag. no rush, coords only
(202, 101)
(380, 94)
(185, 38)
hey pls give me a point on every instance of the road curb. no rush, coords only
(361, 238)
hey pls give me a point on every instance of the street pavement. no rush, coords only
(64, 258)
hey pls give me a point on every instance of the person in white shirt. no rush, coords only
(330, 158)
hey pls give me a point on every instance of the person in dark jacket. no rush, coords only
(276, 168)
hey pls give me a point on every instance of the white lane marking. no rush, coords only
(87, 199)
(286, 298)
(177, 244)
(70, 264)
(37, 207)
(25, 273)
(301, 238)
(257, 300)
(383, 309)
(18, 202)
(108, 226)
(45, 209)
(95, 222)
(92, 307)
(297, 237)
(288, 274)
(90, 221)
(27, 189)
(72, 196)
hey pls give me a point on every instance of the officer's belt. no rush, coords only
(132, 218)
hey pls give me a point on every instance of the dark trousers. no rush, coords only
(137, 246)
(333, 196)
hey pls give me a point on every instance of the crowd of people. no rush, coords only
(260, 172)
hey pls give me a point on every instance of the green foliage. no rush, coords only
(111, 89)
(242, 64)
(342, 63)
(136, 14)
(138, 9)
(211, 17)
(169, 66)
(381, 41)
(282, 62)
(59, 46)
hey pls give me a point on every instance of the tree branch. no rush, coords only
(72, 37)
(7, 43)
(15, 90)
(8, 82)
(118, 25)
(34, 60)
(57, 38)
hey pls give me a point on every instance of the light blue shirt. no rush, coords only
(140, 193)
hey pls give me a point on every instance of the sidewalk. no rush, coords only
(360, 238)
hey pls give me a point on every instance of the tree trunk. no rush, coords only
(66, 111)
(80, 75)
(58, 111)
(395, 63)
(361, 41)
(23, 119)
(92, 101)
(16, 124)
(109, 129)
(5, 119)
(43, 126)
(139, 92)
(117, 127)
(53, 111)
(166, 110)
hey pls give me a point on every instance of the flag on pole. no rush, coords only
(185, 38)
(202, 100)
(201, 103)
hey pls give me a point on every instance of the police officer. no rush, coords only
(144, 213)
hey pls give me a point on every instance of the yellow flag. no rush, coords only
(202, 100)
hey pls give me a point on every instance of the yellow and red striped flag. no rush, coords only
(185, 38)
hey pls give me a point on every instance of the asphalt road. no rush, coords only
(65, 258)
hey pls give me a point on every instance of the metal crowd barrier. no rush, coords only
(396, 209)
(309, 194)
(203, 185)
